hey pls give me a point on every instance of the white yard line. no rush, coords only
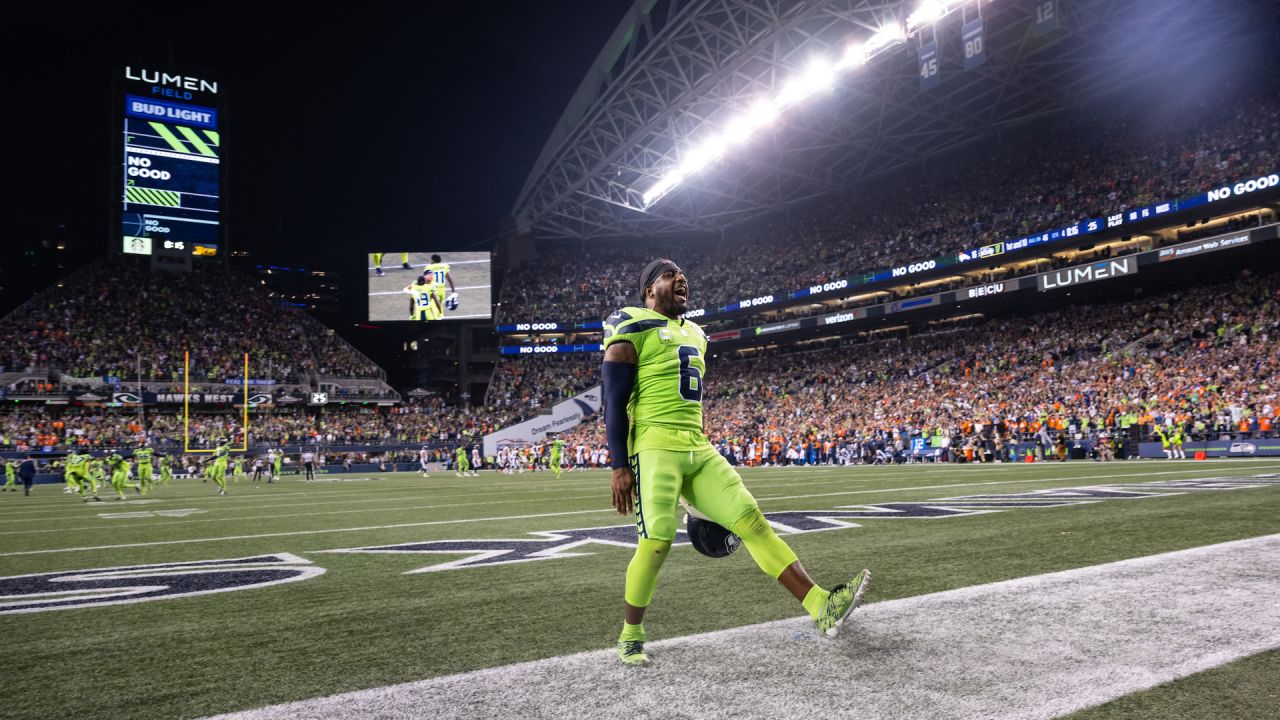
(1035, 647)
(1066, 481)
(299, 532)
(398, 508)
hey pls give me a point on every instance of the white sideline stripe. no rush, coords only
(1034, 647)
(112, 527)
(1067, 482)
(302, 532)
(48, 503)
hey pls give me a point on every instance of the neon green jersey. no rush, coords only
(438, 271)
(461, 452)
(221, 454)
(117, 462)
(670, 366)
(143, 455)
(77, 462)
(422, 293)
(557, 446)
(164, 461)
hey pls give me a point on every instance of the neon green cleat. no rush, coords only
(843, 600)
(631, 652)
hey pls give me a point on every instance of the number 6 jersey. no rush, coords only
(666, 404)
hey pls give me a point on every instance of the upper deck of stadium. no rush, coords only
(674, 76)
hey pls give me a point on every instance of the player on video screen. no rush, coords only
(439, 271)
(377, 262)
(425, 303)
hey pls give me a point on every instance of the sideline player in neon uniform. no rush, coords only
(463, 465)
(120, 475)
(557, 448)
(220, 456)
(166, 470)
(143, 454)
(653, 369)
(78, 475)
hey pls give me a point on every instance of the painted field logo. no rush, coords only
(140, 583)
(559, 544)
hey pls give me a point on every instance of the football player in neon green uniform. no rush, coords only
(72, 470)
(166, 470)
(80, 476)
(440, 275)
(237, 469)
(463, 465)
(556, 453)
(97, 473)
(120, 475)
(275, 466)
(143, 454)
(220, 456)
(424, 304)
(654, 366)
(10, 476)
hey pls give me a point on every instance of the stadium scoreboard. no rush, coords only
(171, 166)
(429, 286)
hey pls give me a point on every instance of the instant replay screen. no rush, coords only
(429, 286)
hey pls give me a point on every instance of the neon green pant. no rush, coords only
(702, 477)
(710, 485)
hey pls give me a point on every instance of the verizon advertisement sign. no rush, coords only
(1081, 274)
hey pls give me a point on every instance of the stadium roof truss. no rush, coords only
(676, 71)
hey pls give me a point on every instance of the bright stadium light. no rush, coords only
(888, 35)
(820, 75)
(741, 128)
(701, 156)
(929, 12)
(854, 55)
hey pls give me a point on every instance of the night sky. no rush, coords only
(380, 128)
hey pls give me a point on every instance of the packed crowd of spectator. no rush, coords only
(1087, 170)
(415, 422)
(532, 384)
(1205, 361)
(124, 321)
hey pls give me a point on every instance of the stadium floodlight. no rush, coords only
(853, 56)
(887, 36)
(818, 76)
(741, 128)
(930, 12)
(702, 155)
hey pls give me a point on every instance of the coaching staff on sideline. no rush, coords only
(27, 474)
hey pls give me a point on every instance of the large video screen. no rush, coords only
(429, 286)
(171, 172)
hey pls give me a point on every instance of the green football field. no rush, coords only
(272, 627)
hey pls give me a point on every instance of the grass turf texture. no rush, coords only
(364, 623)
